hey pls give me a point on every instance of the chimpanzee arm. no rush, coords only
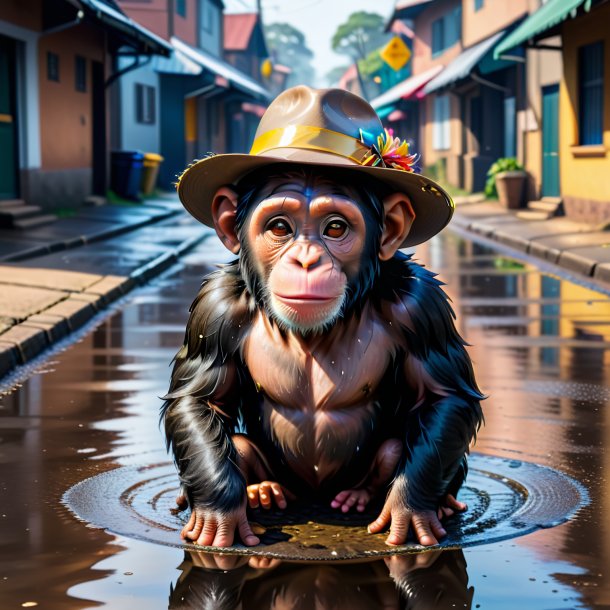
(201, 407)
(447, 411)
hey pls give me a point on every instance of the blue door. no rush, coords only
(8, 124)
(550, 141)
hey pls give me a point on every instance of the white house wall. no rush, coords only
(134, 135)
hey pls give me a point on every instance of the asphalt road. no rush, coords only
(540, 346)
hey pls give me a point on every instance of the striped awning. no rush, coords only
(546, 17)
(463, 64)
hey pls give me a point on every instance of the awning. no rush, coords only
(217, 66)
(176, 63)
(105, 13)
(406, 89)
(463, 64)
(546, 17)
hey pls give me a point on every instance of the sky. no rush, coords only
(317, 19)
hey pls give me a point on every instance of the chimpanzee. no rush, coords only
(322, 363)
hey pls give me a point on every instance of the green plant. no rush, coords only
(505, 164)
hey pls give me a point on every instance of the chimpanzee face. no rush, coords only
(306, 240)
(310, 243)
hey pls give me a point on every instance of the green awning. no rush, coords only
(546, 17)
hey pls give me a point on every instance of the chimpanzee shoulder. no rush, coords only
(219, 315)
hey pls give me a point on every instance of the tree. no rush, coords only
(287, 46)
(359, 35)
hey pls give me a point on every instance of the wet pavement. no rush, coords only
(540, 346)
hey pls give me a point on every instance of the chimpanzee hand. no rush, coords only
(400, 516)
(210, 528)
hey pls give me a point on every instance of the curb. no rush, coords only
(26, 340)
(491, 229)
(74, 242)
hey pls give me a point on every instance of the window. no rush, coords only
(53, 66)
(446, 31)
(438, 36)
(181, 8)
(440, 126)
(478, 5)
(208, 17)
(145, 104)
(80, 74)
(591, 93)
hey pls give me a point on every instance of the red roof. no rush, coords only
(238, 29)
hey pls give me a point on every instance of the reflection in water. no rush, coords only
(541, 351)
(436, 579)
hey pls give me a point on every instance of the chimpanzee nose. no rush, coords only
(307, 255)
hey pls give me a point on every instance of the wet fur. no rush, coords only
(212, 395)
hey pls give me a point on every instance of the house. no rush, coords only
(57, 59)
(574, 150)
(429, 122)
(477, 107)
(202, 103)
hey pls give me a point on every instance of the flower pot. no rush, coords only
(510, 186)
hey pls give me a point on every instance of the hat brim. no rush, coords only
(197, 186)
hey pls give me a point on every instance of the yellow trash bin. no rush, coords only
(150, 171)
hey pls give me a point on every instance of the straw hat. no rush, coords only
(327, 128)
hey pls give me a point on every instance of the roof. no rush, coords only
(463, 64)
(398, 26)
(219, 67)
(546, 17)
(108, 13)
(238, 29)
(409, 9)
(406, 89)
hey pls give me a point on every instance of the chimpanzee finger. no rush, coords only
(437, 528)
(181, 502)
(245, 531)
(252, 492)
(398, 528)
(225, 533)
(422, 529)
(340, 498)
(278, 494)
(351, 500)
(455, 504)
(264, 494)
(381, 522)
(209, 532)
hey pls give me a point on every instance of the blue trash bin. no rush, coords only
(126, 173)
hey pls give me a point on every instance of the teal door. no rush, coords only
(550, 141)
(8, 136)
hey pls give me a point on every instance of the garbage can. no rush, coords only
(126, 173)
(152, 161)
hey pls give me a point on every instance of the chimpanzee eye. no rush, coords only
(335, 229)
(279, 227)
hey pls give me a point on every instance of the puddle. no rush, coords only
(506, 498)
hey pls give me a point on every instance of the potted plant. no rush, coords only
(506, 181)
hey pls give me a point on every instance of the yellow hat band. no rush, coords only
(311, 138)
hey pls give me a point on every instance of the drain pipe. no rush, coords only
(65, 26)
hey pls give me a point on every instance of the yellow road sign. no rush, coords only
(396, 53)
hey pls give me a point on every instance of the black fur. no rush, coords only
(437, 433)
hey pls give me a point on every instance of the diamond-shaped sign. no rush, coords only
(396, 53)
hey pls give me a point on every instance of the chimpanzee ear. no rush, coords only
(398, 218)
(224, 212)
